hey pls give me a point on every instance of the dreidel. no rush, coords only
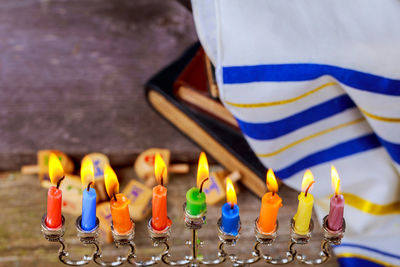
(214, 188)
(99, 161)
(103, 212)
(140, 199)
(71, 188)
(144, 165)
(42, 166)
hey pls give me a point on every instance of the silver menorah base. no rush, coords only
(194, 223)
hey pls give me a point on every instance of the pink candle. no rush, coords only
(335, 217)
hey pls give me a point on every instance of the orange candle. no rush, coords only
(270, 205)
(159, 219)
(121, 219)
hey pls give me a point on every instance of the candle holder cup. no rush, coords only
(266, 238)
(228, 238)
(124, 238)
(159, 236)
(53, 234)
(334, 237)
(194, 223)
(300, 239)
(87, 237)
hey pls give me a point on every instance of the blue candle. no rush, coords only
(230, 211)
(230, 219)
(88, 221)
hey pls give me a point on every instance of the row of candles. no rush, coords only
(195, 200)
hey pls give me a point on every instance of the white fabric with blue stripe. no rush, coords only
(315, 83)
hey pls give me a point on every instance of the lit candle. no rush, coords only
(306, 202)
(159, 219)
(230, 211)
(54, 195)
(335, 217)
(270, 204)
(118, 204)
(88, 219)
(195, 197)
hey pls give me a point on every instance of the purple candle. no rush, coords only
(335, 217)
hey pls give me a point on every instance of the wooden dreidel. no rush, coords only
(42, 166)
(235, 176)
(99, 161)
(144, 165)
(71, 188)
(214, 188)
(104, 214)
(140, 200)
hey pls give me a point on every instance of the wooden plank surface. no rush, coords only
(23, 202)
(72, 75)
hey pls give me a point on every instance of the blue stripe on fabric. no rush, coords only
(271, 130)
(392, 148)
(308, 71)
(369, 249)
(340, 150)
(357, 262)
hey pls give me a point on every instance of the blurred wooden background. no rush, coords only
(72, 75)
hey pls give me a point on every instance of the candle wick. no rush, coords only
(88, 186)
(162, 176)
(59, 181)
(115, 197)
(273, 193)
(308, 187)
(202, 183)
(232, 205)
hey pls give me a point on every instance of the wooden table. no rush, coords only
(23, 203)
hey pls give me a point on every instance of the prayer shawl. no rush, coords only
(316, 83)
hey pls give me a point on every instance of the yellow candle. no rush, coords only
(306, 202)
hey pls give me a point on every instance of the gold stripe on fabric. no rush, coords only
(353, 255)
(370, 207)
(310, 137)
(281, 102)
(379, 118)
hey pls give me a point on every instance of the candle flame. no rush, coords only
(111, 181)
(308, 180)
(56, 171)
(202, 169)
(160, 169)
(230, 192)
(335, 180)
(272, 184)
(87, 172)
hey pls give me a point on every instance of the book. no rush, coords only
(217, 137)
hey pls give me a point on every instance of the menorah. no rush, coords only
(194, 223)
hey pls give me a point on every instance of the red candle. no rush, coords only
(335, 217)
(54, 195)
(159, 219)
(54, 201)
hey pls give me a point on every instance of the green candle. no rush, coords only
(195, 197)
(195, 201)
